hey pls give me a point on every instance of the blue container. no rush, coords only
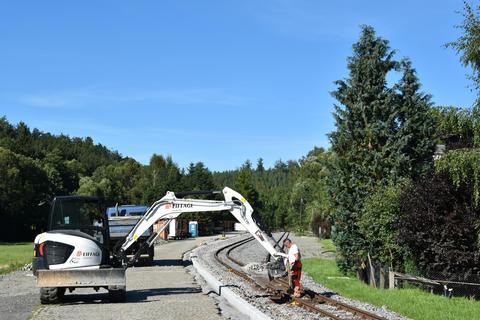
(193, 228)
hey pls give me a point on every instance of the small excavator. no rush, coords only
(75, 252)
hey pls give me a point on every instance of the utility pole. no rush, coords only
(301, 211)
(223, 233)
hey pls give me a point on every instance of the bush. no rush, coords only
(379, 223)
(438, 226)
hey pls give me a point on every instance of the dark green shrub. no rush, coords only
(438, 226)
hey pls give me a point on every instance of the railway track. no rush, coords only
(279, 288)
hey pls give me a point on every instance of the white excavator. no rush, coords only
(75, 251)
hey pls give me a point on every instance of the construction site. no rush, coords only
(238, 275)
(270, 159)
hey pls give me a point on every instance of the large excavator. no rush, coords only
(75, 251)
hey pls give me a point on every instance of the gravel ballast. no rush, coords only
(260, 299)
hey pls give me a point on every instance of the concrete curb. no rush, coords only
(222, 290)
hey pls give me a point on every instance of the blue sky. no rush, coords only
(212, 81)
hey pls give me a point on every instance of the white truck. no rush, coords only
(121, 220)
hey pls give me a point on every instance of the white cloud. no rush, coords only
(97, 96)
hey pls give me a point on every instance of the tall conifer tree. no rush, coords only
(416, 126)
(380, 137)
(362, 125)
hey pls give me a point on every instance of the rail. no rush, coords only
(280, 289)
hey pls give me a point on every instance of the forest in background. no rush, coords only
(378, 191)
(35, 166)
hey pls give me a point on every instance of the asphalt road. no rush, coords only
(18, 295)
(163, 291)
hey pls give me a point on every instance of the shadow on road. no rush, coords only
(133, 296)
(142, 295)
(171, 262)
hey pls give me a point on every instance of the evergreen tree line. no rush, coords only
(36, 166)
(290, 195)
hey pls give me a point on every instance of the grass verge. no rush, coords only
(327, 245)
(14, 256)
(413, 303)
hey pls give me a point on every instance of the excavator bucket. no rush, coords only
(257, 271)
(265, 272)
(276, 269)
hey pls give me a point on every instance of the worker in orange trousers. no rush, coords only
(295, 266)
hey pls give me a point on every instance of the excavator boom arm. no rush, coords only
(170, 207)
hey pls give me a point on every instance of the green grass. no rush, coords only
(413, 303)
(327, 244)
(14, 256)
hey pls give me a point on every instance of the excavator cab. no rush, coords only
(84, 214)
(76, 216)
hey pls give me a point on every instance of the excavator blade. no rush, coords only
(82, 278)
